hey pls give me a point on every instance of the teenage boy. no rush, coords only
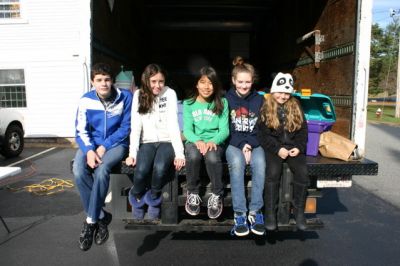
(103, 123)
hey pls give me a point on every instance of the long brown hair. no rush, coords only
(146, 96)
(293, 114)
(216, 97)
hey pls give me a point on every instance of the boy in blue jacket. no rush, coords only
(103, 123)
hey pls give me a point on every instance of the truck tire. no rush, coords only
(13, 141)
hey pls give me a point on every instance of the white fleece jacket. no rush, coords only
(158, 125)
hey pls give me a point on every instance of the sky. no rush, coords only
(380, 11)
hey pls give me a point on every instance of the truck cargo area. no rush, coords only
(313, 40)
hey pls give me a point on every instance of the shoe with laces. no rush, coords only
(256, 220)
(192, 205)
(240, 228)
(214, 206)
(86, 236)
(101, 234)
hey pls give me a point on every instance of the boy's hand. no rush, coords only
(92, 159)
(100, 151)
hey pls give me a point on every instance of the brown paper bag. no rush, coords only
(333, 145)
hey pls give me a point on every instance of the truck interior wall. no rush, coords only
(136, 33)
(117, 35)
(336, 20)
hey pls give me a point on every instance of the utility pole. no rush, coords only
(395, 15)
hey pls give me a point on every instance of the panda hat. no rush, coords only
(282, 83)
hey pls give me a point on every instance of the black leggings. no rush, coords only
(297, 165)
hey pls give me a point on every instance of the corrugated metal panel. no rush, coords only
(52, 47)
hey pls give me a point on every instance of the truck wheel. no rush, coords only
(13, 141)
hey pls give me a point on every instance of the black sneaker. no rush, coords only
(256, 220)
(86, 237)
(214, 206)
(240, 228)
(101, 234)
(192, 205)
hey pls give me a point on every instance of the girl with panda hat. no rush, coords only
(283, 135)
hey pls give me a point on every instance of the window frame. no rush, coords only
(24, 100)
(21, 20)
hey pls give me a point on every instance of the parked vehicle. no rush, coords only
(11, 132)
(324, 44)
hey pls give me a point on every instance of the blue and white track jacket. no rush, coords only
(96, 125)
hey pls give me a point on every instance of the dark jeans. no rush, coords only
(154, 160)
(297, 165)
(213, 162)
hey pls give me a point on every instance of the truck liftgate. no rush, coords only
(323, 172)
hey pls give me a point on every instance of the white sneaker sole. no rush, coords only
(242, 234)
(257, 232)
(188, 212)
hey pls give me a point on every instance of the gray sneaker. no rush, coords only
(214, 206)
(192, 205)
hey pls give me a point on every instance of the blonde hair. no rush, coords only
(240, 66)
(293, 114)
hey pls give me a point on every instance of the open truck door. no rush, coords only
(324, 44)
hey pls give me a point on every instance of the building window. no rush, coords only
(12, 88)
(10, 9)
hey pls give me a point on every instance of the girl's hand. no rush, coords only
(130, 161)
(283, 153)
(247, 153)
(211, 146)
(294, 152)
(179, 163)
(201, 146)
(247, 156)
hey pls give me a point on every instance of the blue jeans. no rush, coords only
(154, 160)
(237, 167)
(93, 183)
(213, 162)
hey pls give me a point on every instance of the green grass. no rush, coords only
(387, 115)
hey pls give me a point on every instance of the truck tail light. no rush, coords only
(311, 205)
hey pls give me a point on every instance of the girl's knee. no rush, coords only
(193, 156)
(273, 175)
(213, 158)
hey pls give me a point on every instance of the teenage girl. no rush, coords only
(155, 141)
(244, 149)
(283, 134)
(205, 120)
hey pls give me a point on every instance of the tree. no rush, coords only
(384, 53)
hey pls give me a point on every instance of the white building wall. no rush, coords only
(52, 44)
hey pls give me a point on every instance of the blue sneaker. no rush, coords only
(256, 220)
(240, 228)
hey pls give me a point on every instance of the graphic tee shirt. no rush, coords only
(201, 123)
